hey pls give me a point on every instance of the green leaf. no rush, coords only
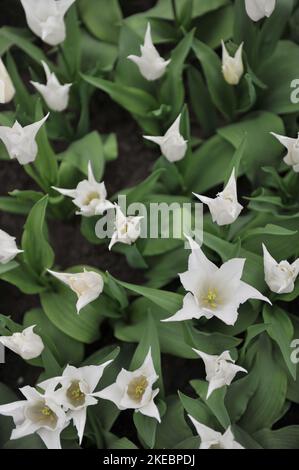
(215, 402)
(146, 428)
(173, 428)
(102, 19)
(59, 306)
(284, 438)
(134, 100)
(89, 148)
(280, 329)
(16, 37)
(221, 93)
(6, 423)
(38, 254)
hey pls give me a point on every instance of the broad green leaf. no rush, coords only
(284, 438)
(102, 19)
(215, 402)
(38, 254)
(173, 428)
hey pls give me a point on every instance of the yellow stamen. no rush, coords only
(137, 388)
(210, 298)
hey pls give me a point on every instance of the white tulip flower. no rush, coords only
(20, 141)
(212, 291)
(8, 248)
(225, 208)
(211, 439)
(7, 89)
(220, 370)
(280, 277)
(46, 19)
(55, 95)
(258, 9)
(173, 145)
(87, 285)
(76, 392)
(151, 65)
(292, 146)
(127, 229)
(232, 67)
(40, 414)
(89, 196)
(26, 344)
(134, 390)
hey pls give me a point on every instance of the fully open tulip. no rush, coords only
(20, 141)
(127, 229)
(87, 285)
(292, 146)
(151, 65)
(55, 95)
(280, 277)
(46, 19)
(211, 439)
(214, 292)
(173, 145)
(38, 413)
(90, 196)
(134, 390)
(27, 344)
(225, 208)
(76, 391)
(258, 9)
(232, 67)
(220, 370)
(7, 90)
(8, 247)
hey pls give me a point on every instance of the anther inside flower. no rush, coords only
(211, 299)
(42, 414)
(78, 285)
(93, 195)
(75, 394)
(137, 387)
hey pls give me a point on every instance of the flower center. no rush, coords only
(90, 197)
(210, 300)
(43, 415)
(78, 286)
(75, 394)
(137, 388)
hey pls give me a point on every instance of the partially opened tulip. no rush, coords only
(38, 413)
(258, 9)
(225, 208)
(26, 344)
(232, 67)
(20, 141)
(8, 247)
(220, 370)
(76, 392)
(280, 277)
(46, 19)
(87, 285)
(212, 291)
(151, 65)
(89, 196)
(134, 390)
(127, 229)
(173, 145)
(55, 95)
(7, 90)
(211, 439)
(292, 146)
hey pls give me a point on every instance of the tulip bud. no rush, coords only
(20, 141)
(292, 146)
(7, 90)
(258, 9)
(8, 248)
(225, 208)
(27, 344)
(151, 65)
(46, 19)
(173, 145)
(55, 95)
(279, 277)
(232, 67)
